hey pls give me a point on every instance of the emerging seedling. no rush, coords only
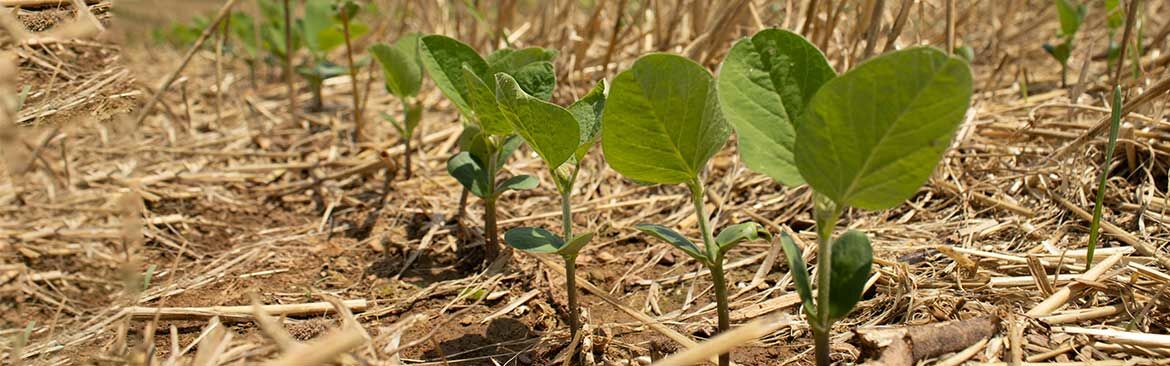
(324, 29)
(1114, 130)
(867, 139)
(1071, 17)
(561, 137)
(402, 69)
(488, 138)
(661, 124)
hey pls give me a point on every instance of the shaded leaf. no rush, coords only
(576, 244)
(470, 173)
(851, 262)
(533, 240)
(662, 121)
(872, 136)
(799, 273)
(484, 107)
(400, 66)
(517, 183)
(587, 111)
(1071, 16)
(732, 235)
(674, 238)
(764, 85)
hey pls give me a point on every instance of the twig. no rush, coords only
(238, 313)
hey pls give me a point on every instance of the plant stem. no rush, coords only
(571, 288)
(357, 107)
(826, 214)
(288, 71)
(491, 237)
(716, 264)
(406, 139)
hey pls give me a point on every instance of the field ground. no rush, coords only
(239, 203)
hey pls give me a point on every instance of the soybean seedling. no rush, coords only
(561, 137)
(1071, 18)
(661, 124)
(402, 70)
(488, 139)
(323, 30)
(867, 139)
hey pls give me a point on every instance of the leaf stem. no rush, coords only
(826, 213)
(716, 262)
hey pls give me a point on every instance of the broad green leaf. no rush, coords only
(470, 173)
(587, 111)
(799, 272)
(538, 79)
(549, 129)
(576, 244)
(517, 183)
(872, 136)
(732, 235)
(1071, 16)
(443, 58)
(533, 240)
(402, 70)
(318, 20)
(662, 121)
(510, 144)
(532, 67)
(851, 262)
(674, 238)
(764, 85)
(484, 106)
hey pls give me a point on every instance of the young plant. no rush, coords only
(867, 139)
(323, 30)
(661, 124)
(1114, 130)
(1071, 17)
(561, 137)
(402, 70)
(488, 139)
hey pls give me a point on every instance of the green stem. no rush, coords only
(826, 214)
(491, 236)
(715, 264)
(574, 312)
(409, 132)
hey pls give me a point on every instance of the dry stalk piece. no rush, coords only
(909, 345)
(238, 313)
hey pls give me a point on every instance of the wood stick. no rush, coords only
(1121, 337)
(1065, 293)
(39, 3)
(1082, 315)
(238, 313)
(146, 109)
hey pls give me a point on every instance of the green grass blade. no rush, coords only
(1115, 126)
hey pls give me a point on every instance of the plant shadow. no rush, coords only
(500, 339)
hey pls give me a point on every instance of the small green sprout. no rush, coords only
(661, 124)
(1114, 128)
(402, 69)
(488, 138)
(1071, 18)
(562, 137)
(323, 30)
(867, 139)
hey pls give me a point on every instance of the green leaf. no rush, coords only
(400, 66)
(1099, 203)
(674, 238)
(732, 235)
(1071, 16)
(662, 121)
(549, 129)
(799, 272)
(872, 136)
(587, 111)
(576, 244)
(851, 262)
(1060, 52)
(532, 67)
(533, 240)
(484, 106)
(511, 143)
(764, 85)
(1115, 14)
(318, 20)
(444, 58)
(517, 183)
(470, 173)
